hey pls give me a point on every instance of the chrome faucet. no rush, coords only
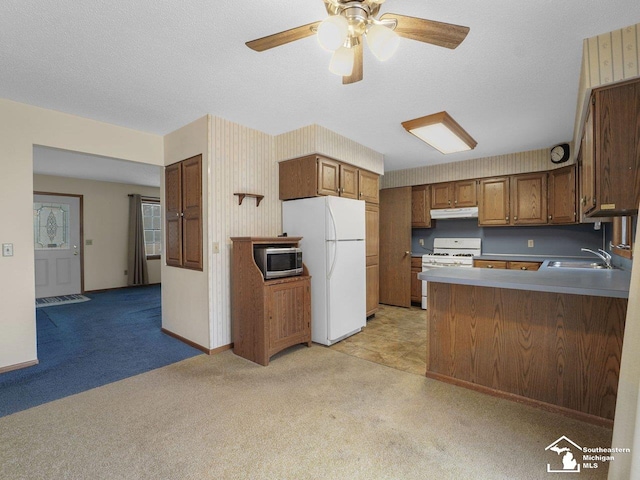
(606, 258)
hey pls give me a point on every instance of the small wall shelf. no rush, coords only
(242, 195)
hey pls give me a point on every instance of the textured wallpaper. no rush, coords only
(608, 58)
(317, 139)
(521, 162)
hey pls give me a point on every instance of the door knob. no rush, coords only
(75, 250)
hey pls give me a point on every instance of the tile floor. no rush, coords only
(395, 336)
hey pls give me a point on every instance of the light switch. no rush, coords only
(7, 249)
(88, 242)
(215, 247)
(530, 244)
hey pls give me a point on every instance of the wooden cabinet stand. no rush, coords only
(267, 315)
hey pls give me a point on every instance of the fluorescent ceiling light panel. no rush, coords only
(441, 132)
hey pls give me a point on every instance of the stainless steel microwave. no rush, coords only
(277, 262)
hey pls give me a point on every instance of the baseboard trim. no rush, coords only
(18, 366)
(549, 407)
(208, 351)
(120, 288)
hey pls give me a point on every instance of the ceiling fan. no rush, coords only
(351, 20)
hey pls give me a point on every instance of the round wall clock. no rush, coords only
(560, 153)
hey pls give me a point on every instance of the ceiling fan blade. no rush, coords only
(281, 38)
(445, 35)
(356, 73)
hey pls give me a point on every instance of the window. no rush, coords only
(152, 221)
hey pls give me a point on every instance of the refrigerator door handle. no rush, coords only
(334, 241)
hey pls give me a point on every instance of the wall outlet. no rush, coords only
(215, 247)
(530, 244)
(421, 242)
(126, 272)
(88, 242)
(7, 249)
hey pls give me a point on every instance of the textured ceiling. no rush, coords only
(156, 65)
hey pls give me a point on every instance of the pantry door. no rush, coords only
(57, 244)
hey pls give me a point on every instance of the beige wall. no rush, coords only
(106, 223)
(521, 162)
(186, 293)
(21, 127)
(243, 160)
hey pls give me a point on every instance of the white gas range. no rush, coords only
(449, 252)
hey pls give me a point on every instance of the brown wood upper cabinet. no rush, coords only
(493, 201)
(537, 198)
(610, 174)
(529, 199)
(183, 213)
(454, 194)
(316, 175)
(420, 206)
(562, 195)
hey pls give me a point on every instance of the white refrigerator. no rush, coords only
(333, 233)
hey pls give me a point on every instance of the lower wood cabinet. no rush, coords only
(416, 283)
(373, 288)
(267, 315)
(553, 350)
(506, 264)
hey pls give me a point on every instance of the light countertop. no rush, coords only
(600, 283)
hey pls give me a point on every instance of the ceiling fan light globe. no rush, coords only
(342, 61)
(383, 42)
(333, 32)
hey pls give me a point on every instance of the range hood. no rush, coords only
(467, 212)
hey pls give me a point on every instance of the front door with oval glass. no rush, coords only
(56, 236)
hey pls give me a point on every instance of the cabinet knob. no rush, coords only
(455, 202)
(523, 268)
(550, 217)
(177, 214)
(449, 202)
(337, 190)
(515, 217)
(489, 266)
(507, 218)
(583, 200)
(182, 214)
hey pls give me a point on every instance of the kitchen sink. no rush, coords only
(577, 264)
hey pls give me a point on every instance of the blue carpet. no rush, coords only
(86, 345)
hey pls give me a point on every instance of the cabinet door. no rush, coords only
(369, 187)
(192, 210)
(372, 250)
(348, 181)
(416, 285)
(173, 209)
(441, 195)
(328, 177)
(493, 201)
(533, 266)
(587, 168)
(420, 206)
(498, 264)
(562, 195)
(529, 199)
(372, 227)
(288, 315)
(465, 193)
(617, 152)
(373, 286)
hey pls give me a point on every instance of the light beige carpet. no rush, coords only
(313, 413)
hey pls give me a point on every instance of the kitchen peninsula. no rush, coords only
(550, 338)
